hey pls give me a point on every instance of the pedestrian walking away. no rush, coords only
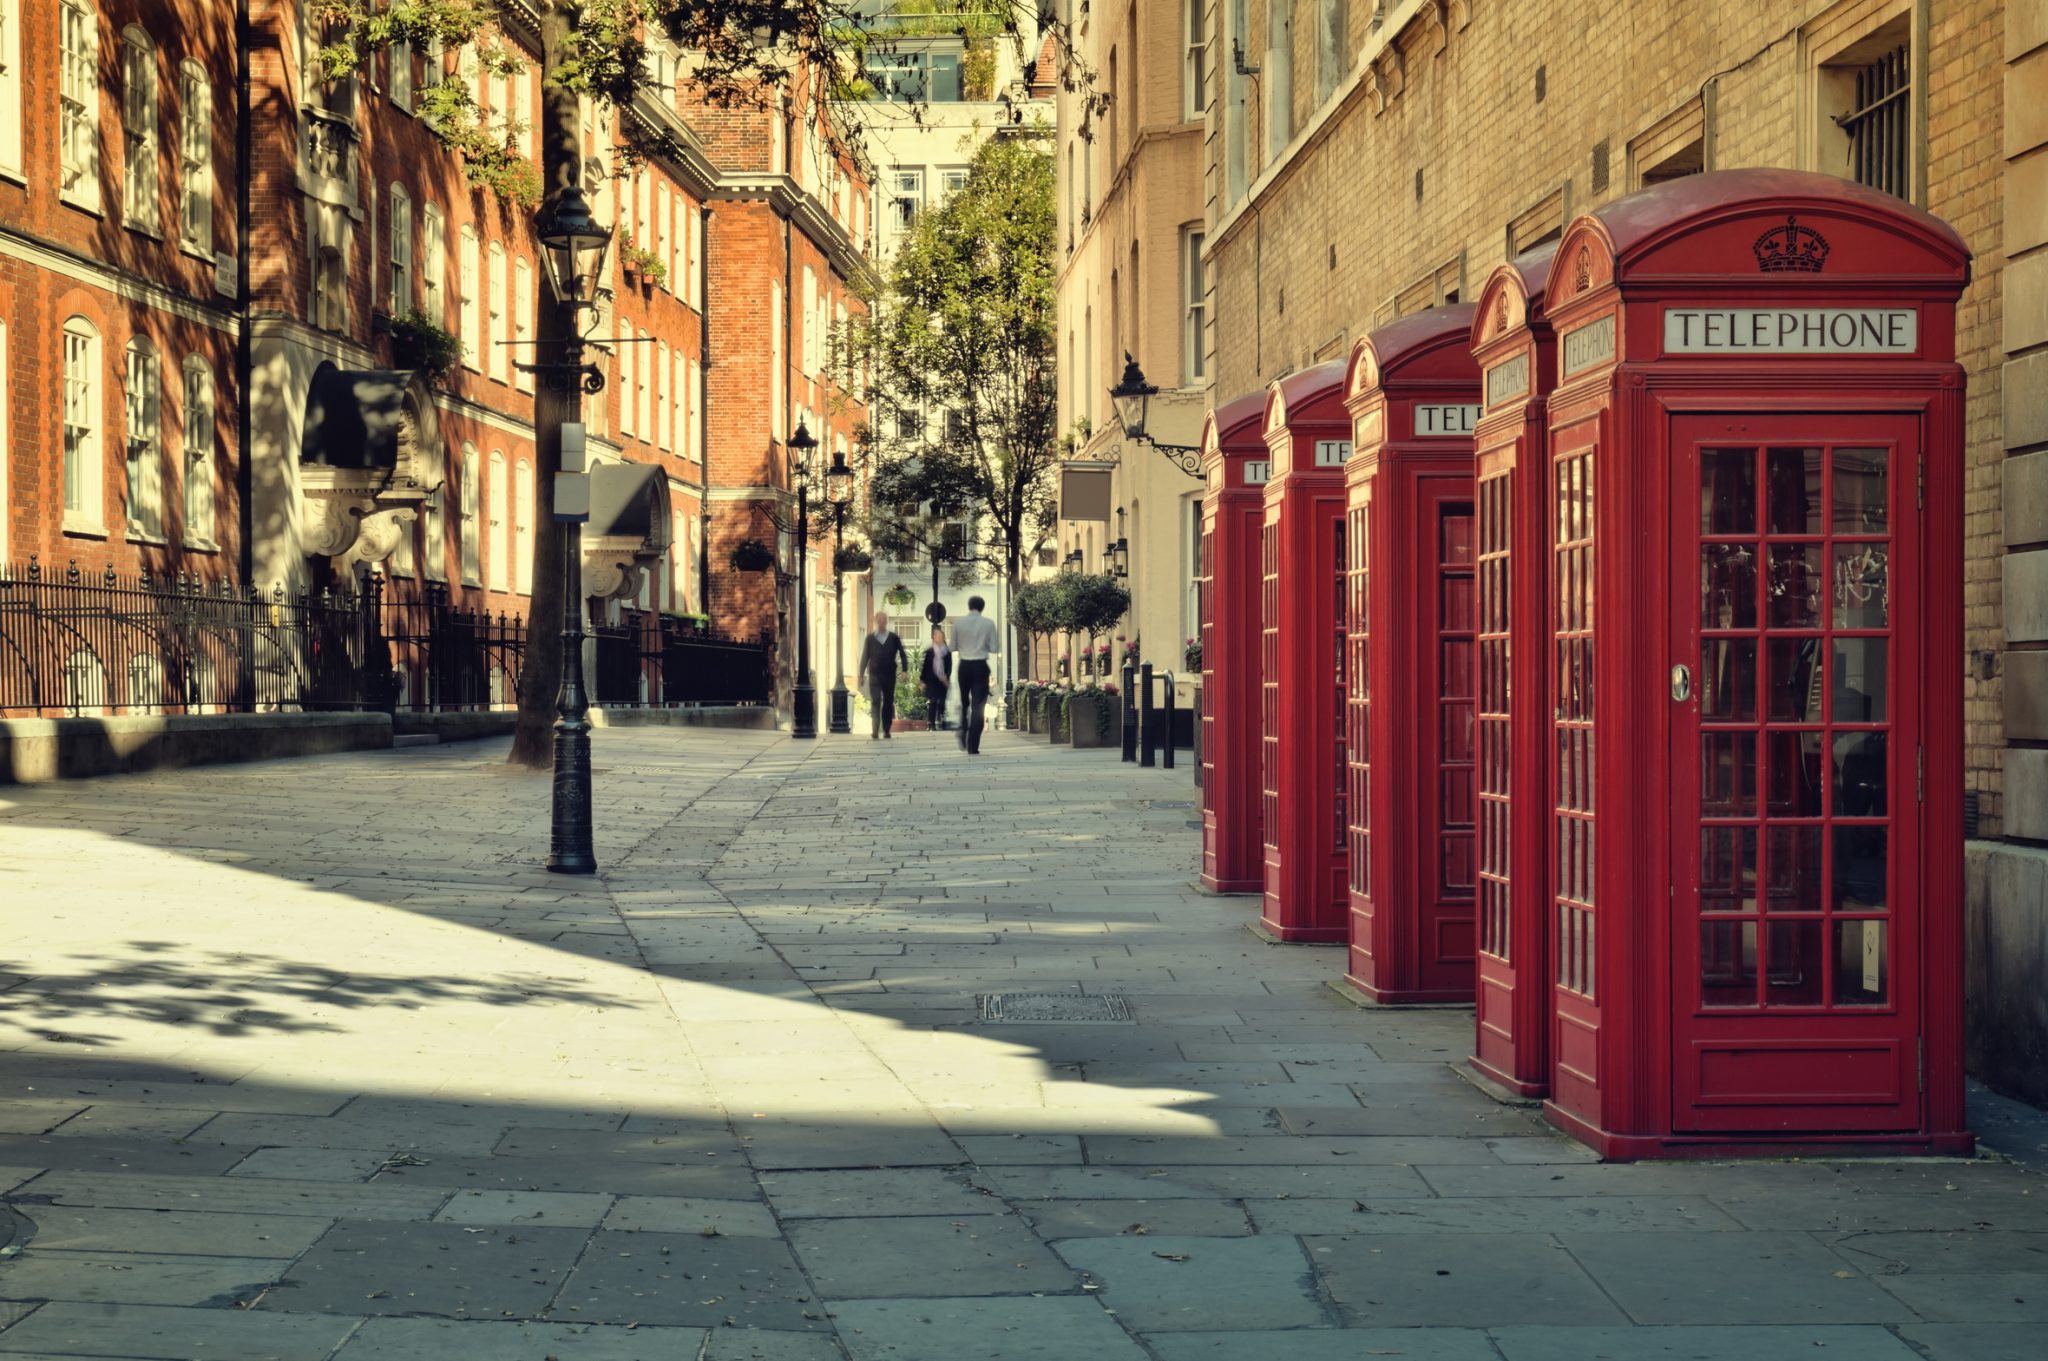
(974, 642)
(880, 655)
(936, 676)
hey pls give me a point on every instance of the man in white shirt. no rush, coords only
(975, 640)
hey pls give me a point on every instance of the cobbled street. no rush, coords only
(310, 1059)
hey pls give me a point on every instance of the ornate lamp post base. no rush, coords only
(803, 710)
(838, 721)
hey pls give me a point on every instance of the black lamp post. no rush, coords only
(575, 244)
(1132, 396)
(803, 700)
(838, 492)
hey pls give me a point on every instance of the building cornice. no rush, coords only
(791, 200)
(62, 260)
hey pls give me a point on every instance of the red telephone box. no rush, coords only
(1413, 395)
(1236, 463)
(1512, 340)
(1755, 566)
(1301, 657)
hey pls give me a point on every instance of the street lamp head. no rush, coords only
(575, 243)
(801, 443)
(1131, 395)
(839, 480)
(1119, 558)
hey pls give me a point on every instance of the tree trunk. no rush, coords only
(540, 670)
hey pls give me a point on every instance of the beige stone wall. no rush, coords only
(1442, 152)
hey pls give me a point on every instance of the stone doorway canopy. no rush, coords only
(370, 458)
(629, 531)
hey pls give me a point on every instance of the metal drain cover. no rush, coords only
(1053, 1008)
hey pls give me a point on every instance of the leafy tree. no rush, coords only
(1095, 602)
(740, 53)
(963, 329)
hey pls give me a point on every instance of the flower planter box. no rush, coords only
(1034, 714)
(1090, 729)
(1056, 722)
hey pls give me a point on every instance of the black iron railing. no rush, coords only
(78, 644)
(444, 657)
(701, 666)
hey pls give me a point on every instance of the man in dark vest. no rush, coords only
(880, 655)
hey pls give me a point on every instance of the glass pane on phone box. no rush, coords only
(1727, 678)
(1727, 869)
(1860, 680)
(1794, 963)
(1860, 868)
(1792, 491)
(1794, 693)
(1728, 963)
(1727, 585)
(1792, 869)
(1861, 498)
(1794, 585)
(1728, 491)
(1862, 963)
(1728, 774)
(1794, 774)
(1861, 781)
(1862, 585)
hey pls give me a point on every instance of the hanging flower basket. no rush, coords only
(852, 560)
(751, 555)
(901, 596)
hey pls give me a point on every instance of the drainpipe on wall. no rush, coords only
(245, 479)
(704, 419)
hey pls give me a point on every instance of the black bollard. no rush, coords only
(1130, 707)
(1148, 724)
(1167, 725)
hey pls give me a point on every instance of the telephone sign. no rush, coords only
(1257, 471)
(1332, 453)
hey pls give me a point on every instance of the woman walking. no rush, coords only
(936, 675)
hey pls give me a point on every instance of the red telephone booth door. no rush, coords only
(1794, 748)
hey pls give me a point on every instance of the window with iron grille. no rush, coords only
(1878, 123)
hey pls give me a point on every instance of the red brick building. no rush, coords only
(213, 361)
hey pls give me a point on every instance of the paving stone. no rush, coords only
(552, 1209)
(705, 1145)
(312, 1164)
(1327, 1344)
(1167, 1283)
(1985, 1297)
(1429, 1116)
(225, 1235)
(245, 1195)
(134, 1122)
(1056, 1219)
(1281, 1150)
(172, 1334)
(1974, 1341)
(997, 1149)
(674, 1214)
(773, 1145)
(626, 1177)
(135, 1277)
(445, 1269)
(1729, 1343)
(432, 1339)
(762, 1344)
(1202, 1183)
(889, 1191)
(1878, 1211)
(84, 1154)
(661, 1278)
(1450, 1280)
(1757, 1278)
(36, 1117)
(1053, 1328)
(1534, 1214)
(12, 1177)
(877, 1258)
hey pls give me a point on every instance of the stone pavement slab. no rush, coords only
(169, 1334)
(1163, 1282)
(1452, 1280)
(670, 1278)
(447, 1269)
(735, 1090)
(1055, 1328)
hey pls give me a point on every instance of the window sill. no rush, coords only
(474, 583)
(145, 539)
(73, 199)
(15, 173)
(201, 546)
(78, 527)
(197, 252)
(154, 233)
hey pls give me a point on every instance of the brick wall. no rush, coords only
(1336, 231)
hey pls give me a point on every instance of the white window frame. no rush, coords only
(522, 111)
(1194, 77)
(434, 264)
(664, 414)
(522, 322)
(626, 398)
(696, 260)
(200, 433)
(495, 355)
(1194, 306)
(809, 350)
(497, 532)
(142, 393)
(195, 160)
(522, 527)
(469, 478)
(469, 267)
(399, 224)
(678, 395)
(141, 122)
(78, 104)
(643, 412)
(433, 538)
(84, 421)
(11, 111)
(401, 76)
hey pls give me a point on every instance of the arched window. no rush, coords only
(498, 549)
(139, 151)
(522, 530)
(470, 266)
(495, 353)
(469, 477)
(401, 252)
(522, 318)
(433, 264)
(78, 103)
(85, 684)
(195, 158)
(145, 406)
(434, 538)
(82, 417)
(200, 434)
(145, 683)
